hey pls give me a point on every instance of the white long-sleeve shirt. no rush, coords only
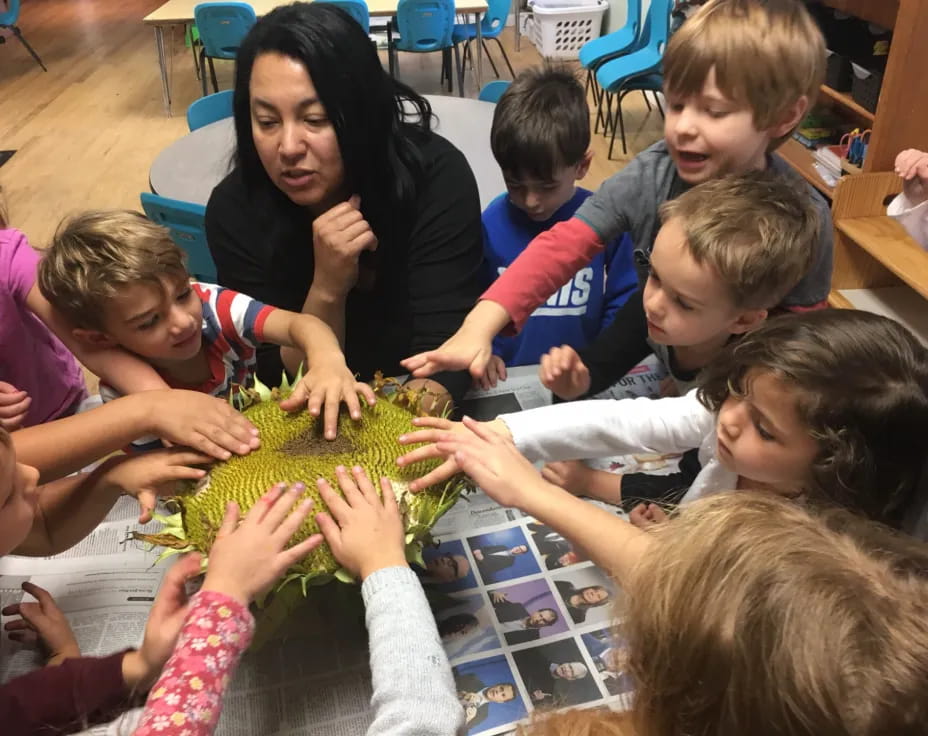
(586, 429)
(914, 218)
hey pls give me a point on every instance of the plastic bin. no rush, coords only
(559, 32)
(865, 87)
(838, 73)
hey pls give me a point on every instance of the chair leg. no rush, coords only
(19, 34)
(489, 58)
(615, 124)
(505, 57)
(193, 50)
(646, 100)
(657, 101)
(203, 71)
(212, 74)
(459, 67)
(600, 100)
(621, 124)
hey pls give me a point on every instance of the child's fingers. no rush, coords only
(281, 508)
(12, 398)
(353, 496)
(14, 410)
(420, 453)
(479, 472)
(483, 431)
(147, 501)
(367, 392)
(433, 422)
(229, 520)
(415, 361)
(365, 486)
(389, 496)
(332, 400)
(299, 551)
(338, 508)
(440, 474)
(44, 598)
(352, 402)
(331, 531)
(501, 371)
(289, 525)
(258, 512)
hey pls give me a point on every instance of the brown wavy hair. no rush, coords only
(862, 385)
(751, 614)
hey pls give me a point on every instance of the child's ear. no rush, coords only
(584, 166)
(791, 117)
(93, 339)
(747, 321)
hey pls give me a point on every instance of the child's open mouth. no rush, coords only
(689, 157)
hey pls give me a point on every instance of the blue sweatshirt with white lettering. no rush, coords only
(579, 310)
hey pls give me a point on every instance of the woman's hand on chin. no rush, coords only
(340, 235)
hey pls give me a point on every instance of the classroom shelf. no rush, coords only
(848, 103)
(801, 159)
(887, 241)
(896, 302)
(881, 12)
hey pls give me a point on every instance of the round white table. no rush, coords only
(191, 167)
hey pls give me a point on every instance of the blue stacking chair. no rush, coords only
(625, 40)
(209, 109)
(492, 24)
(424, 26)
(186, 222)
(222, 27)
(492, 91)
(651, 82)
(8, 19)
(357, 9)
(612, 75)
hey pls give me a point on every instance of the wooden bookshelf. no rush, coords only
(801, 159)
(881, 12)
(847, 102)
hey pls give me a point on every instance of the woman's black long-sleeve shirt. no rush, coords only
(426, 271)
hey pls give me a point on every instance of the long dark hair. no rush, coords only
(862, 382)
(378, 120)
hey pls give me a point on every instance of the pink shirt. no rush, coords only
(31, 358)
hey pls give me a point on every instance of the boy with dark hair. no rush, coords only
(540, 139)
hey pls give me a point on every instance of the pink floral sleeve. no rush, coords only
(187, 699)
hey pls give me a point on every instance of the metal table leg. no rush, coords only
(162, 62)
(518, 4)
(478, 73)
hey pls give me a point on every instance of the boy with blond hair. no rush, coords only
(738, 77)
(727, 253)
(120, 281)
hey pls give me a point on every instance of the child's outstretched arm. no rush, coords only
(115, 366)
(189, 418)
(327, 381)
(414, 690)
(202, 640)
(511, 480)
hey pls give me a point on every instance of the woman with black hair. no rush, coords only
(343, 203)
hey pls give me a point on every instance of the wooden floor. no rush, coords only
(87, 131)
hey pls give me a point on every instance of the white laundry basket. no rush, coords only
(559, 32)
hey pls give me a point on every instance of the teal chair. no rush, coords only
(222, 28)
(209, 109)
(357, 9)
(8, 20)
(492, 24)
(425, 26)
(186, 223)
(492, 91)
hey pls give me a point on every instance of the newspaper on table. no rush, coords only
(525, 623)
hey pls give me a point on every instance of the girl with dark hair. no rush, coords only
(343, 203)
(830, 406)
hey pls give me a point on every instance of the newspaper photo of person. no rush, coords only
(447, 567)
(554, 549)
(527, 612)
(609, 654)
(488, 694)
(465, 623)
(503, 555)
(588, 594)
(556, 675)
